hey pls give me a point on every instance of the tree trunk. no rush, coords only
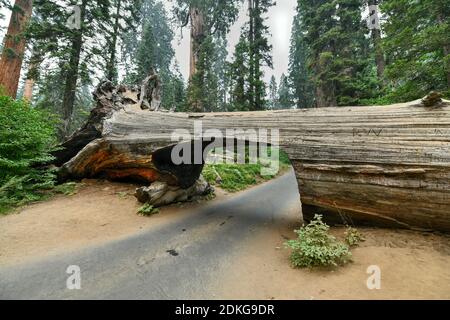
(32, 75)
(197, 36)
(14, 47)
(72, 73)
(376, 38)
(386, 165)
(111, 67)
(252, 62)
(379, 54)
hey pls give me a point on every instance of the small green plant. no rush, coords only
(315, 247)
(67, 189)
(122, 195)
(148, 210)
(353, 237)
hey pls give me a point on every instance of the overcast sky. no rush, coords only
(279, 20)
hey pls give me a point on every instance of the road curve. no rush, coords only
(179, 260)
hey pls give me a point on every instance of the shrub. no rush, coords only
(315, 247)
(353, 237)
(27, 136)
(148, 210)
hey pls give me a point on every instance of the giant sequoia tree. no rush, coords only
(13, 48)
(208, 20)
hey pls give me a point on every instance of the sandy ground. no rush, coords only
(413, 265)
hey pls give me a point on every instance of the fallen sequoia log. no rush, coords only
(384, 165)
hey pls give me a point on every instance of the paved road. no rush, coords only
(179, 260)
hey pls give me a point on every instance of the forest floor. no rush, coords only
(414, 265)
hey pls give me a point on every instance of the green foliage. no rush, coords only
(237, 177)
(67, 189)
(416, 42)
(202, 93)
(27, 137)
(315, 247)
(338, 60)
(353, 237)
(148, 210)
(284, 94)
(252, 53)
(300, 76)
(150, 46)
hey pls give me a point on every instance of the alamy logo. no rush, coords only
(74, 21)
(74, 281)
(374, 281)
(373, 21)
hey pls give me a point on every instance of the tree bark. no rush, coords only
(31, 75)
(111, 68)
(72, 73)
(14, 47)
(385, 165)
(379, 53)
(197, 36)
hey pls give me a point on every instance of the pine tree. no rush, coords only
(238, 71)
(255, 50)
(273, 94)
(300, 76)
(150, 46)
(284, 93)
(417, 44)
(62, 35)
(123, 17)
(259, 51)
(338, 48)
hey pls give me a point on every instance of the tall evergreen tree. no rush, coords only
(260, 52)
(284, 93)
(238, 73)
(300, 76)
(255, 48)
(150, 46)
(417, 43)
(63, 35)
(273, 93)
(338, 48)
(123, 17)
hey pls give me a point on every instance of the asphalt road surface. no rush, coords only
(179, 260)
